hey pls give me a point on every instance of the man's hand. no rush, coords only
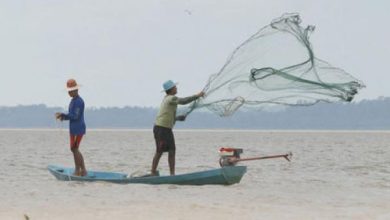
(58, 116)
(181, 118)
(201, 94)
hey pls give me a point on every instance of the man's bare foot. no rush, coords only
(156, 173)
(83, 173)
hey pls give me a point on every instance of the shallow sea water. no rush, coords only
(332, 175)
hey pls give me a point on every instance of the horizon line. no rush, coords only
(379, 98)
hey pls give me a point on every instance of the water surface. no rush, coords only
(333, 175)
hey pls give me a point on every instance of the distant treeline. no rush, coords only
(366, 114)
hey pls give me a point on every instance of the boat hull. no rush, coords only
(221, 176)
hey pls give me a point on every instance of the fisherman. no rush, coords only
(166, 118)
(76, 125)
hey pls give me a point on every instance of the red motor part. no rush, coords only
(229, 156)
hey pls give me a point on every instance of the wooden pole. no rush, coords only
(285, 156)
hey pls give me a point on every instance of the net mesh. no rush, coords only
(275, 66)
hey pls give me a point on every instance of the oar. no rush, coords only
(285, 156)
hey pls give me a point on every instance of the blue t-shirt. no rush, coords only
(76, 116)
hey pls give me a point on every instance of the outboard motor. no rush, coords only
(229, 156)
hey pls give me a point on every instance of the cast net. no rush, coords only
(275, 66)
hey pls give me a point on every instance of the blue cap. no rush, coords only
(169, 85)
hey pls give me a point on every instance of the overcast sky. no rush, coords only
(121, 51)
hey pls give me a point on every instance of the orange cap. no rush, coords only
(71, 85)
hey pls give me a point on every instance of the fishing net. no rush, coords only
(276, 66)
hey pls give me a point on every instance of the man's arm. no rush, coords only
(74, 113)
(180, 118)
(186, 100)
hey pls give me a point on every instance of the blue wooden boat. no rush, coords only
(222, 176)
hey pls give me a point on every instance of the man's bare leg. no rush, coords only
(156, 159)
(76, 162)
(171, 161)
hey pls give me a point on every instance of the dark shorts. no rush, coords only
(165, 141)
(75, 140)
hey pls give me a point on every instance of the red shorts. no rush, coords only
(75, 140)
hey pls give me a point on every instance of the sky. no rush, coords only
(122, 51)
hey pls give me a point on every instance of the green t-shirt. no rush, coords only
(166, 116)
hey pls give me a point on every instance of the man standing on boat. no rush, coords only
(76, 125)
(166, 118)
